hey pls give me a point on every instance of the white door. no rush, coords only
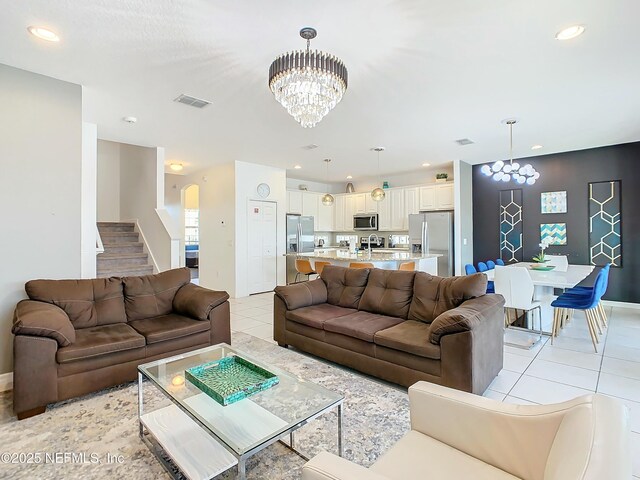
(262, 232)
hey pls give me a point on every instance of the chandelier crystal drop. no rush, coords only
(506, 171)
(378, 194)
(309, 84)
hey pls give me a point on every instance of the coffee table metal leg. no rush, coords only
(242, 469)
(140, 405)
(340, 449)
(292, 442)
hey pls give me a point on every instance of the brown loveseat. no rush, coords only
(399, 326)
(73, 337)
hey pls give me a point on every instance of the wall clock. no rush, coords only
(263, 190)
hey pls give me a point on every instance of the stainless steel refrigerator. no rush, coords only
(432, 232)
(300, 239)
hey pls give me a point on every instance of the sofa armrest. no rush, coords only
(326, 466)
(197, 302)
(493, 432)
(465, 317)
(42, 319)
(303, 294)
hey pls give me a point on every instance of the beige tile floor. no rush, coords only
(545, 374)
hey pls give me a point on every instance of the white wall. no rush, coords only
(108, 181)
(41, 157)
(88, 200)
(247, 177)
(140, 188)
(174, 187)
(463, 218)
(294, 184)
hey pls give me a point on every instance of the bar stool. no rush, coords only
(319, 266)
(361, 265)
(407, 266)
(303, 267)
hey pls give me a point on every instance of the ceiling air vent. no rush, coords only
(464, 141)
(311, 146)
(192, 101)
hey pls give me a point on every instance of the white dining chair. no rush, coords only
(559, 261)
(516, 286)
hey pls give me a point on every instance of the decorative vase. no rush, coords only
(350, 188)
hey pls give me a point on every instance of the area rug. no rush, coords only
(101, 429)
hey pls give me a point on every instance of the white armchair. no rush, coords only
(458, 435)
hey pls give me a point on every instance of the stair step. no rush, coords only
(124, 247)
(116, 227)
(109, 260)
(125, 272)
(118, 237)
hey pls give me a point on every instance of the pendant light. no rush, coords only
(327, 198)
(505, 172)
(378, 193)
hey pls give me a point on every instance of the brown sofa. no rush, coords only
(73, 337)
(399, 326)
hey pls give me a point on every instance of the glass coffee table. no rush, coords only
(204, 438)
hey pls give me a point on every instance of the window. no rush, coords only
(191, 227)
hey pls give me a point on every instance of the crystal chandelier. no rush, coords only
(505, 172)
(308, 83)
(327, 198)
(378, 193)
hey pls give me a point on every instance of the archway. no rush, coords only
(191, 208)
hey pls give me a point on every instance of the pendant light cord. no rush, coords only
(511, 143)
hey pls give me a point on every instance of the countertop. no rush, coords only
(386, 256)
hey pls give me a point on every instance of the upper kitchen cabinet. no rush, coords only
(339, 219)
(325, 216)
(310, 202)
(427, 197)
(397, 207)
(370, 205)
(384, 213)
(294, 201)
(360, 205)
(412, 201)
(444, 196)
(349, 212)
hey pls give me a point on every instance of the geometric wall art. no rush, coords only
(553, 202)
(511, 225)
(553, 233)
(605, 222)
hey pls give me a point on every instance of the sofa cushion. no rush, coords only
(87, 303)
(168, 327)
(100, 340)
(345, 286)
(388, 292)
(152, 295)
(433, 296)
(362, 325)
(303, 294)
(316, 315)
(409, 336)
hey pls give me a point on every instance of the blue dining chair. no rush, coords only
(469, 269)
(491, 264)
(586, 291)
(587, 302)
(482, 267)
(500, 262)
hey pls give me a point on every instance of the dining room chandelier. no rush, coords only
(309, 84)
(507, 171)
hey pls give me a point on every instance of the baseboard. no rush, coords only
(611, 303)
(6, 382)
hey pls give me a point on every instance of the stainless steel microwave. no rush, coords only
(365, 222)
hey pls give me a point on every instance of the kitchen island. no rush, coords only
(387, 259)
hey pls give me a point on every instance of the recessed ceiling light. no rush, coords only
(43, 34)
(536, 147)
(426, 164)
(176, 167)
(349, 177)
(570, 32)
(297, 167)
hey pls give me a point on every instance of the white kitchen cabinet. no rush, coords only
(444, 196)
(360, 203)
(338, 214)
(397, 206)
(427, 197)
(310, 203)
(370, 205)
(325, 216)
(294, 201)
(412, 203)
(384, 213)
(349, 212)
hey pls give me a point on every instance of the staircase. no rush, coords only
(123, 252)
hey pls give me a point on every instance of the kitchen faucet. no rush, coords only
(377, 240)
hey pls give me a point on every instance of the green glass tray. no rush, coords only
(542, 267)
(230, 379)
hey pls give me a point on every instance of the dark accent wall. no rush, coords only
(572, 172)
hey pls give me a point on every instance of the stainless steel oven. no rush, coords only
(365, 222)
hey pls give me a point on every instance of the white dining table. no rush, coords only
(545, 283)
